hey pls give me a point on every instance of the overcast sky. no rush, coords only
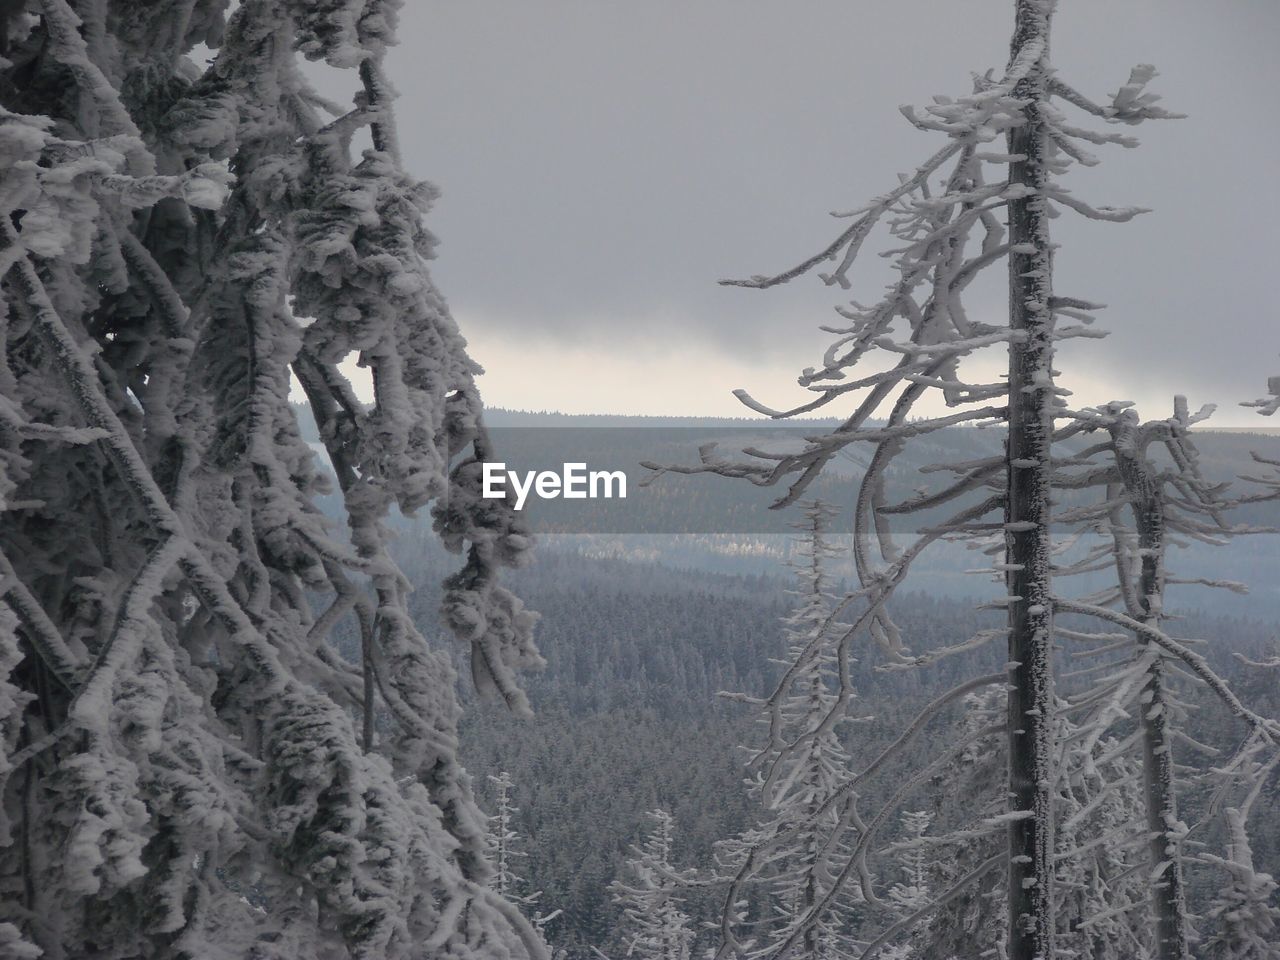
(604, 162)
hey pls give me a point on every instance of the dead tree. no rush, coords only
(1029, 470)
(1144, 506)
(945, 216)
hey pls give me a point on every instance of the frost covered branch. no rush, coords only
(220, 704)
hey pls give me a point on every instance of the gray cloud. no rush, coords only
(604, 162)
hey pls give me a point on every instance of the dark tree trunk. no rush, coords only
(1168, 896)
(1031, 396)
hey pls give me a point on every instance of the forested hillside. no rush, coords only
(628, 717)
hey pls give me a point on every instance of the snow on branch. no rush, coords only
(178, 599)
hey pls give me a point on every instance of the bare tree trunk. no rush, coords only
(1168, 896)
(1031, 921)
(1167, 893)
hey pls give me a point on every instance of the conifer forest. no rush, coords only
(916, 599)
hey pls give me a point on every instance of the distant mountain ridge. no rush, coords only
(502, 417)
(505, 417)
(672, 503)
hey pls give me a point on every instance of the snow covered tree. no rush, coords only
(794, 787)
(656, 927)
(1101, 886)
(964, 844)
(504, 840)
(1244, 915)
(917, 341)
(505, 844)
(1145, 507)
(195, 765)
(1134, 486)
(912, 893)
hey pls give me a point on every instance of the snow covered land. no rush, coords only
(307, 654)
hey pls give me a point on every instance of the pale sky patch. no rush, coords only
(602, 164)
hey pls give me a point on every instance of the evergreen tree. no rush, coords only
(966, 847)
(655, 926)
(796, 785)
(1102, 883)
(506, 846)
(912, 892)
(194, 768)
(1243, 916)
(504, 840)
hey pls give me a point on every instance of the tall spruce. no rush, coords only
(506, 845)
(224, 734)
(793, 794)
(654, 923)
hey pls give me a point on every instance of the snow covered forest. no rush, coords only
(272, 683)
